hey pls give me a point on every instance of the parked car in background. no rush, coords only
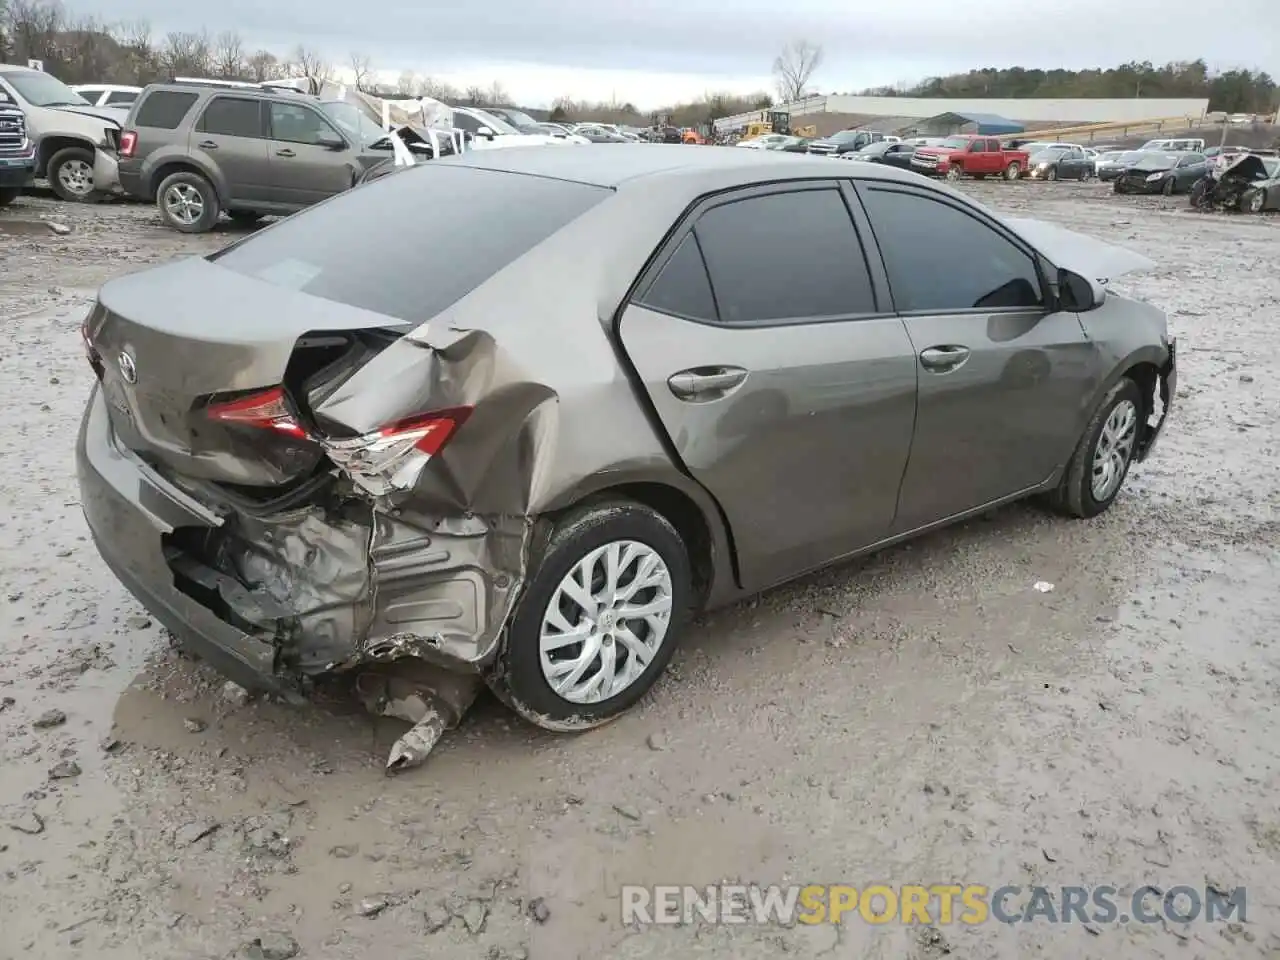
(199, 151)
(64, 127)
(307, 456)
(792, 145)
(971, 156)
(107, 94)
(846, 141)
(17, 152)
(1060, 163)
(1250, 184)
(891, 154)
(1159, 172)
(490, 131)
(1186, 145)
(925, 141)
(1111, 162)
(598, 133)
(762, 142)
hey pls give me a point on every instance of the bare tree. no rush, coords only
(186, 53)
(140, 63)
(437, 90)
(497, 94)
(263, 65)
(407, 84)
(34, 26)
(362, 67)
(311, 65)
(475, 95)
(793, 68)
(87, 51)
(228, 55)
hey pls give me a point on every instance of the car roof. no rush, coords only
(626, 164)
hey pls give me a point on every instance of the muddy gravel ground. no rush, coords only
(924, 716)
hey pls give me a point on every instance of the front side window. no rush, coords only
(232, 117)
(785, 256)
(941, 259)
(294, 123)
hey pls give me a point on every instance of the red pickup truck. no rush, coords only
(970, 156)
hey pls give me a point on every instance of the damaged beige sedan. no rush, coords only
(512, 417)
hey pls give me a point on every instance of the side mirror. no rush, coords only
(1078, 293)
(332, 143)
(485, 132)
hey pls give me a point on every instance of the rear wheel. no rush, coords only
(599, 619)
(188, 202)
(1101, 462)
(8, 195)
(1012, 172)
(70, 174)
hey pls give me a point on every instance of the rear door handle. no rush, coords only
(944, 357)
(208, 145)
(705, 383)
(285, 153)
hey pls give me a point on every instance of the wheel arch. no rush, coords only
(1143, 366)
(168, 166)
(686, 506)
(50, 145)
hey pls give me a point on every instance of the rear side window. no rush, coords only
(785, 256)
(232, 117)
(940, 259)
(408, 246)
(164, 109)
(683, 287)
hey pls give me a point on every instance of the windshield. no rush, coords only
(353, 121)
(1133, 156)
(519, 118)
(871, 149)
(1112, 155)
(1156, 161)
(1048, 156)
(495, 124)
(42, 90)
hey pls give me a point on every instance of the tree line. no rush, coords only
(1233, 91)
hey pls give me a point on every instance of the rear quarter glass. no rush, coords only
(467, 224)
(163, 109)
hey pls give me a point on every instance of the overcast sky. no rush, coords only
(653, 52)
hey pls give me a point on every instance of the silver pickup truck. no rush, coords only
(17, 152)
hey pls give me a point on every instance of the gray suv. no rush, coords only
(200, 150)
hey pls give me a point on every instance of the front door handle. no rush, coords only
(705, 383)
(208, 145)
(286, 152)
(944, 358)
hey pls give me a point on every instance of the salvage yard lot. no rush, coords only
(925, 716)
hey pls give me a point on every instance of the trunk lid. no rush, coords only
(170, 341)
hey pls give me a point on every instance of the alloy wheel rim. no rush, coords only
(184, 203)
(605, 622)
(1113, 449)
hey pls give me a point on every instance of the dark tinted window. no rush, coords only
(164, 109)
(785, 255)
(401, 264)
(121, 97)
(940, 258)
(466, 122)
(294, 123)
(682, 287)
(232, 117)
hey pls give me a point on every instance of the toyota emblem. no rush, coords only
(127, 368)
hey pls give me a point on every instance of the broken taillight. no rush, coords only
(267, 410)
(392, 459)
(128, 143)
(90, 351)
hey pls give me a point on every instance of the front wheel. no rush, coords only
(1052, 174)
(70, 174)
(954, 173)
(599, 619)
(1101, 462)
(1253, 201)
(1012, 172)
(1168, 187)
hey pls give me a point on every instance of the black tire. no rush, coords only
(1198, 191)
(1052, 174)
(68, 185)
(8, 195)
(1168, 188)
(1074, 495)
(518, 679)
(189, 180)
(245, 217)
(1252, 201)
(1012, 172)
(954, 173)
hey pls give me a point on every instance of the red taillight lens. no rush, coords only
(393, 458)
(267, 410)
(128, 142)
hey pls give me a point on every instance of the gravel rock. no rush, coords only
(235, 694)
(195, 725)
(30, 823)
(271, 946)
(49, 719)
(64, 770)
